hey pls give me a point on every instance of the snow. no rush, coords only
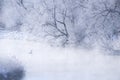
(43, 62)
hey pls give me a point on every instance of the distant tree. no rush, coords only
(2, 26)
(1, 4)
(104, 26)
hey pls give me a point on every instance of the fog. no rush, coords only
(43, 62)
(59, 39)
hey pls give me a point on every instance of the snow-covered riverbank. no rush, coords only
(43, 62)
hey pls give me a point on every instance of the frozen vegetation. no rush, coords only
(64, 22)
(59, 39)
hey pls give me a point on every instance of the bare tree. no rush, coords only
(58, 23)
(21, 4)
(105, 22)
(63, 17)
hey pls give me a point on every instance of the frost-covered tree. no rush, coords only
(76, 22)
(62, 19)
(102, 18)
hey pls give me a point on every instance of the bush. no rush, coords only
(14, 73)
